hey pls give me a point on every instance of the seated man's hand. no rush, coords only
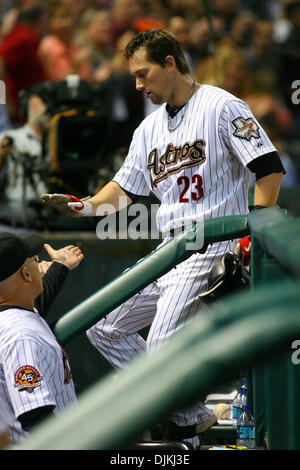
(70, 255)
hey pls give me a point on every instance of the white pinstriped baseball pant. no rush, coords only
(167, 305)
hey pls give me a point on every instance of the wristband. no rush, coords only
(84, 207)
(76, 199)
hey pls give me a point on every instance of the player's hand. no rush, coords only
(70, 255)
(68, 204)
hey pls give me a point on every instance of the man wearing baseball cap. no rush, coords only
(35, 377)
(16, 249)
(15, 273)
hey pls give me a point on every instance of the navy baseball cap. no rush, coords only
(14, 249)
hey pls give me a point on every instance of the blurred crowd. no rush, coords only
(248, 47)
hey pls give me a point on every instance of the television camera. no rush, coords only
(77, 134)
(74, 121)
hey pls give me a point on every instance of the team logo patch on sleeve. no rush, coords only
(246, 128)
(27, 378)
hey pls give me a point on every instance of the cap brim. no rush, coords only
(35, 244)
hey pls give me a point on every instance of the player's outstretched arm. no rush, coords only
(111, 196)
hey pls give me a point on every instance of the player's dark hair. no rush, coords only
(158, 44)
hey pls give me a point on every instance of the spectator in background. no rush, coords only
(242, 29)
(281, 24)
(200, 37)
(262, 59)
(190, 9)
(23, 168)
(266, 107)
(265, 10)
(178, 26)
(59, 53)
(96, 41)
(155, 14)
(20, 64)
(124, 13)
(77, 7)
(126, 104)
(273, 116)
(8, 21)
(209, 68)
(228, 10)
(252, 38)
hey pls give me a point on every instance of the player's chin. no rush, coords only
(156, 99)
(153, 98)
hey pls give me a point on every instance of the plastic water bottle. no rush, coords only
(244, 400)
(244, 385)
(236, 404)
(246, 429)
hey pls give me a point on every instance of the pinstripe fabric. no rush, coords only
(197, 172)
(26, 340)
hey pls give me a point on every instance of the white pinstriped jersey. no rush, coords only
(198, 171)
(34, 371)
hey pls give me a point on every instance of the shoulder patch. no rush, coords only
(246, 128)
(27, 378)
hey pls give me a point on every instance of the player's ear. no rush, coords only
(170, 61)
(25, 273)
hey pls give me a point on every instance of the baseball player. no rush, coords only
(35, 377)
(194, 153)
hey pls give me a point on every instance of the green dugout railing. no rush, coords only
(247, 329)
(157, 263)
(276, 384)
